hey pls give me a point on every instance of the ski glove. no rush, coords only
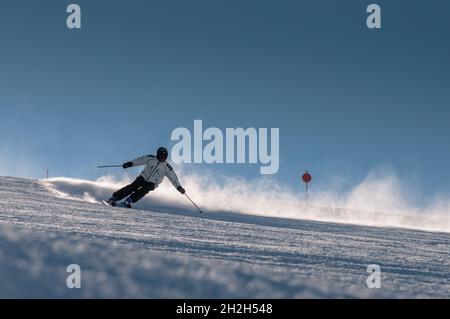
(181, 190)
(127, 164)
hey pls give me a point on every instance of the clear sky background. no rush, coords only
(347, 99)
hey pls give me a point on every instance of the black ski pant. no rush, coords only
(138, 189)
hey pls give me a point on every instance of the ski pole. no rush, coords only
(108, 166)
(193, 203)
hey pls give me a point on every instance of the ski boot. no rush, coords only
(112, 201)
(127, 203)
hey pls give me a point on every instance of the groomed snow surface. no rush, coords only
(179, 253)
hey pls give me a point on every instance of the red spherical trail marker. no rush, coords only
(307, 178)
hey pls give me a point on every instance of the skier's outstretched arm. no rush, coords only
(172, 176)
(138, 161)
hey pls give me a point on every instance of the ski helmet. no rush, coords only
(162, 154)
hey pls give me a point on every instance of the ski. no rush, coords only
(118, 204)
(106, 203)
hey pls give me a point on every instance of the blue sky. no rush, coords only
(347, 99)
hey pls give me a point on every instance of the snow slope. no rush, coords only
(178, 253)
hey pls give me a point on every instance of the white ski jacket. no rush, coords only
(155, 171)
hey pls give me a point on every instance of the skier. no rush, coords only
(156, 169)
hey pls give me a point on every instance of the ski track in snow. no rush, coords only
(183, 254)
